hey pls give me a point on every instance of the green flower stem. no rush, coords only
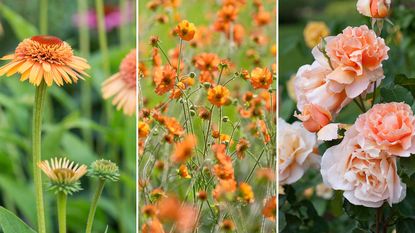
(43, 17)
(84, 50)
(36, 137)
(93, 207)
(62, 197)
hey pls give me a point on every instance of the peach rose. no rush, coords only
(295, 151)
(356, 55)
(374, 8)
(368, 177)
(389, 127)
(311, 87)
(314, 117)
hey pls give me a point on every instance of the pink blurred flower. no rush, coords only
(113, 17)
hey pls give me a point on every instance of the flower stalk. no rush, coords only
(94, 204)
(36, 145)
(61, 204)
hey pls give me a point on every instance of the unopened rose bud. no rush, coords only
(377, 9)
(314, 117)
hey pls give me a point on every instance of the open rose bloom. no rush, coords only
(364, 163)
(345, 67)
(295, 152)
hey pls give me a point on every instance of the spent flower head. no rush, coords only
(104, 170)
(64, 174)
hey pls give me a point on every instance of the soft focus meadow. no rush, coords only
(207, 116)
(78, 123)
(355, 175)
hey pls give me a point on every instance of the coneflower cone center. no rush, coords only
(43, 49)
(64, 173)
(47, 40)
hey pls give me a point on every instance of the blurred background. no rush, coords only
(325, 212)
(78, 122)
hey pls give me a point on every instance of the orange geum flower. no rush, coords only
(218, 95)
(228, 13)
(184, 172)
(149, 210)
(246, 192)
(45, 58)
(262, 18)
(186, 30)
(184, 150)
(241, 147)
(266, 174)
(261, 78)
(143, 129)
(225, 188)
(207, 61)
(228, 225)
(173, 126)
(164, 78)
(270, 209)
(153, 226)
(122, 85)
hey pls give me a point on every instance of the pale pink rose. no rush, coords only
(374, 8)
(314, 117)
(368, 178)
(356, 55)
(295, 152)
(311, 88)
(389, 127)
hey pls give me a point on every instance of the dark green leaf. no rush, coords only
(359, 213)
(405, 225)
(396, 93)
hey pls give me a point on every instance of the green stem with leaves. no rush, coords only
(94, 205)
(36, 154)
(62, 197)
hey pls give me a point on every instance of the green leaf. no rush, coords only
(359, 213)
(21, 27)
(10, 223)
(408, 165)
(405, 225)
(396, 93)
(406, 207)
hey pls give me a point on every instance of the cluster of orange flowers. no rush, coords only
(198, 89)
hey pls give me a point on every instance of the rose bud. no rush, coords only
(374, 8)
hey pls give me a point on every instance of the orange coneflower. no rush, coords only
(261, 78)
(184, 149)
(122, 85)
(218, 95)
(164, 78)
(185, 30)
(45, 58)
(270, 207)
